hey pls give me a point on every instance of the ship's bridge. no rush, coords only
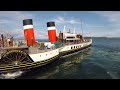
(69, 36)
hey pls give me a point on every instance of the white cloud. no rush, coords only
(39, 34)
(62, 20)
(11, 22)
(73, 22)
(111, 16)
(59, 20)
(112, 29)
(94, 26)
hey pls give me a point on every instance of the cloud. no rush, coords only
(11, 22)
(62, 20)
(39, 34)
(73, 22)
(94, 26)
(112, 17)
(59, 20)
(112, 26)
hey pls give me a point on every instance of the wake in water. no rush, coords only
(11, 75)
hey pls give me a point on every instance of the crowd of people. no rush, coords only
(6, 41)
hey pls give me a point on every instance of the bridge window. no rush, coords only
(70, 37)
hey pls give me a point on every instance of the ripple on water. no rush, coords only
(93, 70)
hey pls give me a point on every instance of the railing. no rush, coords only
(33, 50)
(79, 42)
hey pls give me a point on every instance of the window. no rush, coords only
(71, 47)
(46, 54)
(70, 37)
(74, 46)
(40, 55)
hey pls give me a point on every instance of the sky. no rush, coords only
(88, 23)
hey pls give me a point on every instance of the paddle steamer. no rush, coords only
(16, 55)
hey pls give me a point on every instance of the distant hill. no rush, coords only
(105, 37)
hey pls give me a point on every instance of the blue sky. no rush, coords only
(94, 23)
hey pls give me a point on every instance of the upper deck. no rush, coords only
(6, 49)
(28, 50)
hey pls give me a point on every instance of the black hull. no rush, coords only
(66, 53)
(26, 66)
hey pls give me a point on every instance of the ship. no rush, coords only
(72, 42)
(27, 54)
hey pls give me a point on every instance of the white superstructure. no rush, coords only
(73, 41)
(75, 46)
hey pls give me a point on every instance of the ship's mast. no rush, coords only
(64, 30)
(74, 31)
(81, 27)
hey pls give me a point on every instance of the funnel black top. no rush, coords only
(50, 24)
(27, 22)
